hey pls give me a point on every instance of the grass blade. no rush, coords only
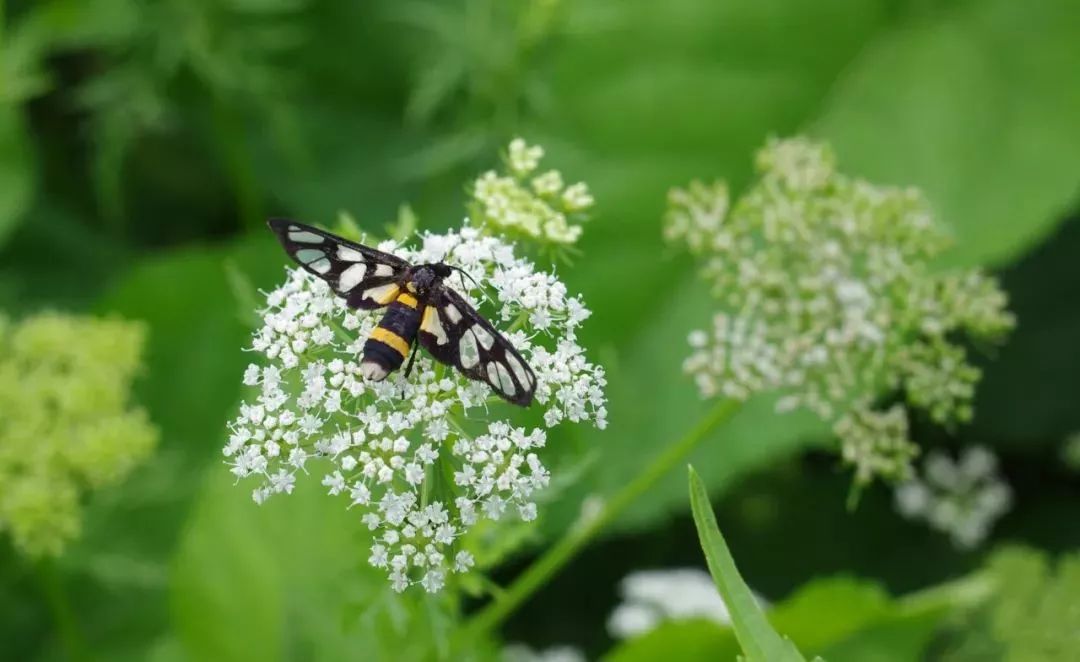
(758, 639)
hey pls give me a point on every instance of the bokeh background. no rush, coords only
(143, 144)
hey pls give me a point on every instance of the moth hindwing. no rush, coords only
(456, 334)
(450, 329)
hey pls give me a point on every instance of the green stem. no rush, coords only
(64, 616)
(548, 565)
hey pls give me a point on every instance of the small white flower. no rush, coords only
(334, 481)
(522, 157)
(433, 581)
(463, 561)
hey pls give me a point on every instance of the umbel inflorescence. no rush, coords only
(827, 297)
(521, 203)
(384, 446)
(67, 426)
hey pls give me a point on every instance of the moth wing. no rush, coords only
(457, 335)
(365, 277)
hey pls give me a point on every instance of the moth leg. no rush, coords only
(412, 355)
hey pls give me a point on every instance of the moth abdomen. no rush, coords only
(388, 345)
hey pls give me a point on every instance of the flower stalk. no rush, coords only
(562, 552)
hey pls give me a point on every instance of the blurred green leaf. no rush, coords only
(679, 640)
(196, 337)
(17, 170)
(291, 574)
(758, 639)
(1034, 614)
(1042, 357)
(826, 610)
(975, 103)
(849, 620)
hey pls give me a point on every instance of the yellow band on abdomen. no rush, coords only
(407, 299)
(392, 339)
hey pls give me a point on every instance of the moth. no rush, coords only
(420, 309)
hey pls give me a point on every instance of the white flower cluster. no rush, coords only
(651, 597)
(533, 206)
(828, 298)
(961, 498)
(423, 458)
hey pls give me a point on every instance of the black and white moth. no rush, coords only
(420, 308)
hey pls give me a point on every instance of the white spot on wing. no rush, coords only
(309, 255)
(321, 266)
(452, 313)
(305, 237)
(434, 326)
(382, 294)
(499, 377)
(383, 270)
(467, 350)
(485, 338)
(523, 376)
(349, 254)
(351, 277)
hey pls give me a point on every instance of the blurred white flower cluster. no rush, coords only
(523, 653)
(424, 458)
(828, 298)
(652, 597)
(961, 498)
(523, 203)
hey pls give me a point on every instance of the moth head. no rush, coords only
(424, 277)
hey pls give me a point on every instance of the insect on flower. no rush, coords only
(421, 309)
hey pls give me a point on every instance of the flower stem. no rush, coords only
(67, 627)
(548, 565)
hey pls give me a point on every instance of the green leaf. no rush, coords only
(293, 575)
(825, 611)
(679, 640)
(17, 174)
(851, 620)
(758, 639)
(979, 114)
(1033, 614)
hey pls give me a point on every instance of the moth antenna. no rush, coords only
(483, 293)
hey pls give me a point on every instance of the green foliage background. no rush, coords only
(143, 143)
